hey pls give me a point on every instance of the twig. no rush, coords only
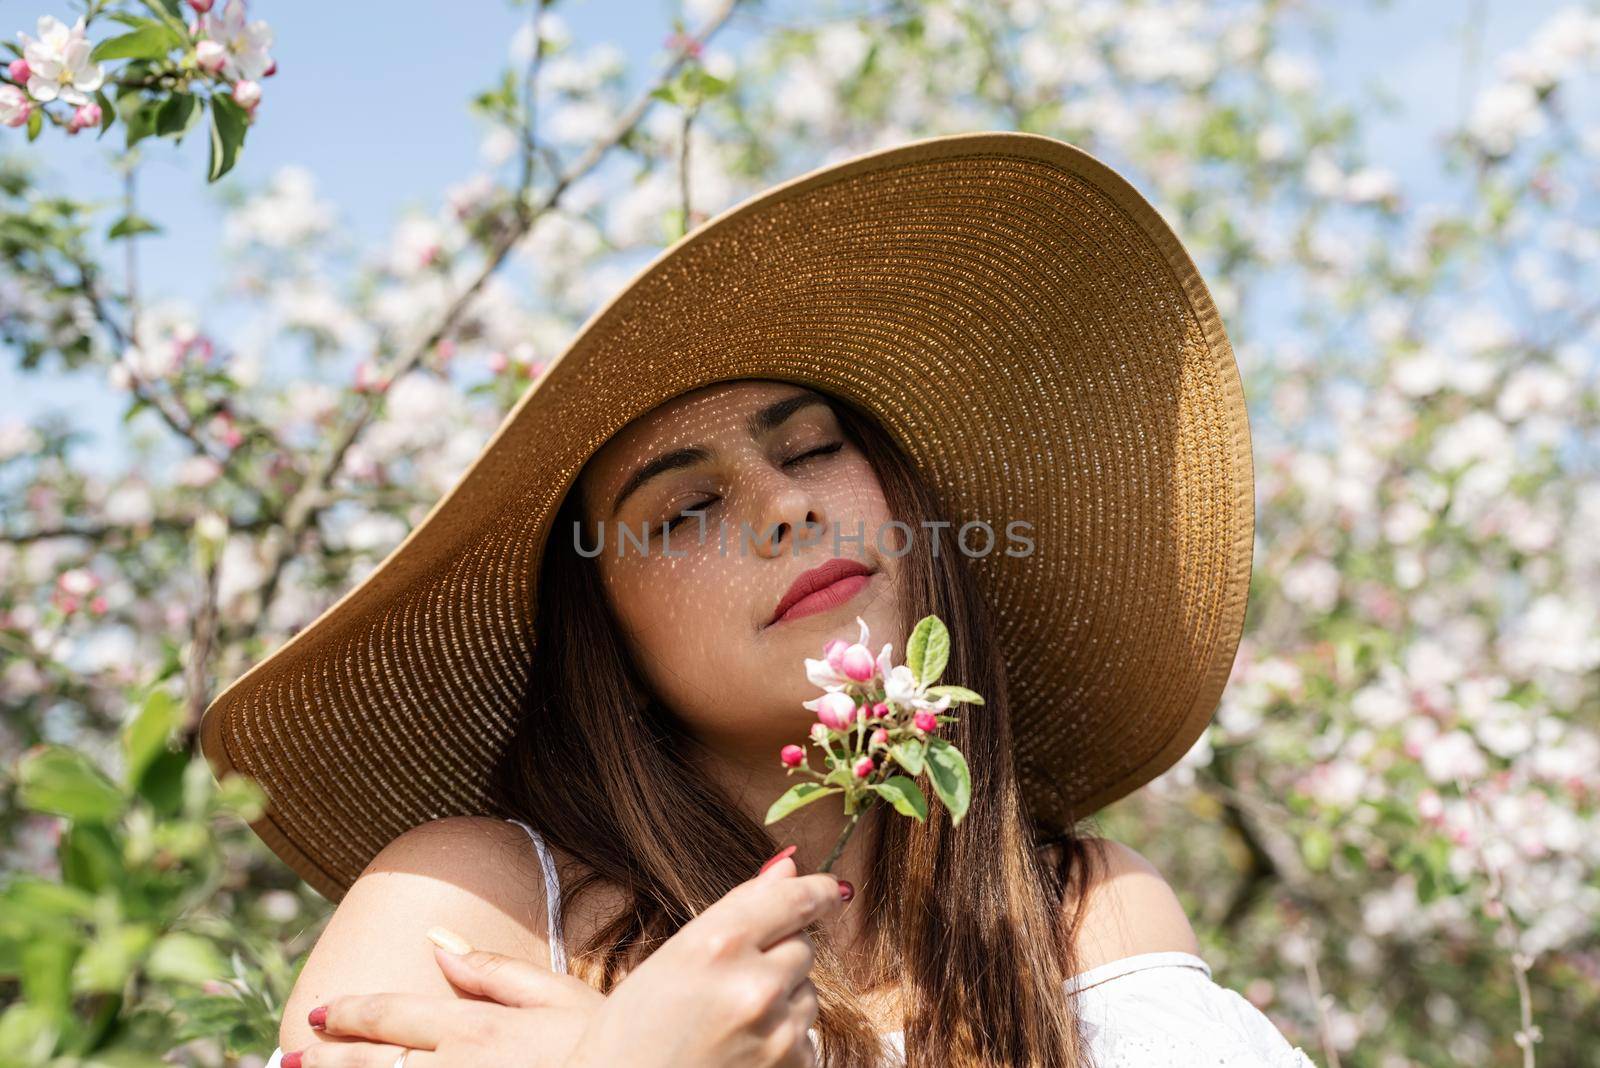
(1314, 981)
(308, 498)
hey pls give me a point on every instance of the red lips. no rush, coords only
(820, 577)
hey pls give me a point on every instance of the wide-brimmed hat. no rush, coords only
(1017, 317)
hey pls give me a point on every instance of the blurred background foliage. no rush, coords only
(1389, 837)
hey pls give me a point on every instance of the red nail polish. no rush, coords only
(291, 1060)
(846, 891)
(779, 855)
(318, 1017)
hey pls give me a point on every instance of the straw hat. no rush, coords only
(1019, 319)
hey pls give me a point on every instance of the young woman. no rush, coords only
(693, 638)
(1019, 337)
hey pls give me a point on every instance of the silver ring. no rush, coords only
(400, 1061)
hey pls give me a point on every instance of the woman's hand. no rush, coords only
(537, 1023)
(732, 989)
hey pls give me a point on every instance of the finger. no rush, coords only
(774, 909)
(411, 1020)
(508, 980)
(353, 1055)
(804, 1006)
(793, 957)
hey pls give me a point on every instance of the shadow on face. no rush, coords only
(704, 511)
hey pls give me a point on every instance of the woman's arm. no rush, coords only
(475, 875)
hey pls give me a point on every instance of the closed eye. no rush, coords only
(821, 450)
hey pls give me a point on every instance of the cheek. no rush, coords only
(678, 614)
(856, 502)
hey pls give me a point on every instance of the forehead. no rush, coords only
(717, 412)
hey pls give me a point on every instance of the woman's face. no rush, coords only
(781, 491)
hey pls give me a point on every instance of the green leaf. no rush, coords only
(841, 775)
(928, 651)
(39, 903)
(129, 225)
(153, 40)
(1316, 845)
(109, 959)
(228, 124)
(904, 795)
(169, 12)
(108, 112)
(176, 115)
(61, 781)
(28, 1034)
(908, 754)
(91, 857)
(798, 796)
(185, 958)
(238, 796)
(146, 734)
(138, 115)
(952, 780)
(35, 123)
(958, 695)
(163, 781)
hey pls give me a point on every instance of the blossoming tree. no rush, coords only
(1388, 839)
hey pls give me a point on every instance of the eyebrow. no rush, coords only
(768, 418)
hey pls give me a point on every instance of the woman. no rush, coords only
(640, 757)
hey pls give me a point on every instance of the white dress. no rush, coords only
(1150, 1010)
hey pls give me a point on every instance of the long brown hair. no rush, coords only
(975, 932)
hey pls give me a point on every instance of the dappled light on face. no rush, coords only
(709, 514)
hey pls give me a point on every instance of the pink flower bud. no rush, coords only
(246, 93)
(857, 663)
(925, 720)
(87, 115)
(202, 6)
(833, 653)
(498, 362)
(793, 756)
(210, 56)
(863, 767)
(880, 736)
(16, 108)
(836, 710)
(880, 710)
(272, 68)
(98, 606)
(369, 379)
(20, 71)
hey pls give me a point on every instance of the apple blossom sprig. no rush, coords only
(173, 71)
(877, 729)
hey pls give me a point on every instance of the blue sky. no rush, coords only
(376, 108)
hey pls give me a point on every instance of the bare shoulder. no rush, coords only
(477, 875)
(1129, 909)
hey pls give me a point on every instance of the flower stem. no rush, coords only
(838, 847)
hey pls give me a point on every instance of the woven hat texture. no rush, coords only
(1018, 317)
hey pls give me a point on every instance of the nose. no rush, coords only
(786, 514)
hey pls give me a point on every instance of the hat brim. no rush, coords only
(1018, 317)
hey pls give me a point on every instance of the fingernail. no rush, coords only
(779, 855)
(291, 1060)
(318, 1017)
(846, 891)
(448, 940)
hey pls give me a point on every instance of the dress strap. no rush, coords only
(552, 896)
(1112, 969)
